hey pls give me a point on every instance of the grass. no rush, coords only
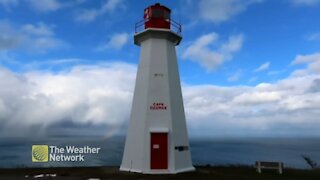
(202, 172)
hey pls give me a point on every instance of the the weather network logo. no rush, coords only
(40, 153)
(50, 153)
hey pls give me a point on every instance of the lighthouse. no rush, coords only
(157, 138)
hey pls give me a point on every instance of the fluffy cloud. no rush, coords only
(45, 5)
(305, 2)
(34, 37)
(40, 29)
(8, 37)
(8, 3)
(285, 108)
(52, 5)
(218, 11)
(42, 5)
(117, 41)
(236, 76)
(89, 15)
(201, 50)
(315, 86)
(303, 59)
(101, 95)
(314, 37)
(312, 61)
(263, 67)
(83, 95)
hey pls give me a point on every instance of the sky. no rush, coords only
(249, 68)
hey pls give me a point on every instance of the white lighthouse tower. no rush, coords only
(157, 139)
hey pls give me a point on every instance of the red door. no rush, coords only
(159, 151)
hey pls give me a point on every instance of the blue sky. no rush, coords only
(240, 62)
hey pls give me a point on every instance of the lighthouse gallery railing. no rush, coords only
(174, 26)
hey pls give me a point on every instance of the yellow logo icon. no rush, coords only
(40, 153)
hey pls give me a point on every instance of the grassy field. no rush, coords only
(217, 173)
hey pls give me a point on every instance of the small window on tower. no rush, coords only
(157, 13)
(166, 15)
(181, 148)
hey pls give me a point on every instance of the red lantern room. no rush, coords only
(157, 16)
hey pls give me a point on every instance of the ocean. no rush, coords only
(16, 152)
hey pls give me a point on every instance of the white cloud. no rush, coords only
(263, 67)
(218, 11)
(305, 2)
(262, 110)
(253, 79)
(303, 59)
(52, 5)
(117, 41)
(257, 97)
(40, 29)
(276, 72)
(7, 4)
(314, 37)
(111, 5)
(82, 95)
(44, 44)
(236, 76)
(88, 15)
(101, 95)
(37, 38)
(315, 86)
(45, 5)
(201, 50)
(9, 39)
(312, 61)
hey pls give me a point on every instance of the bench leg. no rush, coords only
(259, 168)
(280, 168)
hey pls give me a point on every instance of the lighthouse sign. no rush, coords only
(158, 106)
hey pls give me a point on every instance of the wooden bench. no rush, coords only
(269, 165)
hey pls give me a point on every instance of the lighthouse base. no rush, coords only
(166, 171)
